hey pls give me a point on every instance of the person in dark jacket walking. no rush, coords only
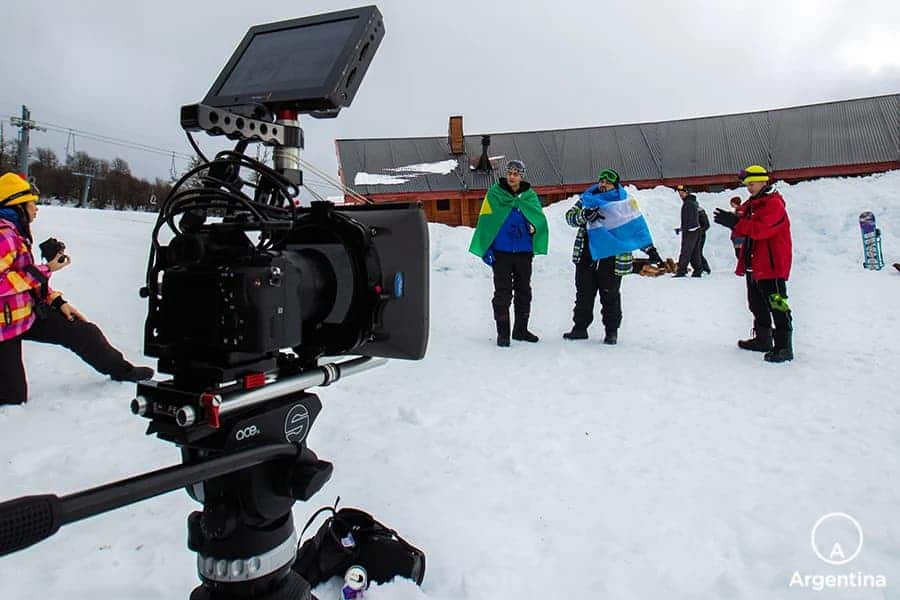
(691, 232)
(703, 219)
(764, 260)
(511, 229)
(31, 310)
(602, 276)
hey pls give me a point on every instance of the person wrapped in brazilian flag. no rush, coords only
(511, 229)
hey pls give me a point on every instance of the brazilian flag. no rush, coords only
(497, 205)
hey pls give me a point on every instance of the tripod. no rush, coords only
(244, 537)
(248, 472)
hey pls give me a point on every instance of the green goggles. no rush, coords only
(609, 175)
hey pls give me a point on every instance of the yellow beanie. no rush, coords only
(15, 189)
(754, 173)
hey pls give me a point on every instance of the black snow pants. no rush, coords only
(690, 251)
(83, 338)
(593, 278)
(512, 285)
(759, 295)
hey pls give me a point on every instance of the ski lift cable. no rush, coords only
(313, 193)
(313, 189)
(72, 132)
(111, 139)
(345, 189)
(125, 145)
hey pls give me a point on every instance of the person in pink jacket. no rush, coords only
(31, 310)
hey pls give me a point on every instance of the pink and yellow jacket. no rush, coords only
(22, 283)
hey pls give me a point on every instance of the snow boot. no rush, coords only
(784, 349)
(520, 330)
(577, 333)
(612, 337)
(502, 330)
(760, 342)
(680, 274)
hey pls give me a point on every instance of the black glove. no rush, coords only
(725, 218)
(592, 214)
(653, 255)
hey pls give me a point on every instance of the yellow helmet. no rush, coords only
(753, 173)
(15, 189)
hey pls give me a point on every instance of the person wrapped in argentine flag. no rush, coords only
(610, 227)
(619, 226)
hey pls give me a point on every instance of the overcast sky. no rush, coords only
(123, 69)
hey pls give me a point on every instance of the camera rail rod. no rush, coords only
(323, 375)
(216, 406)
(28, 520)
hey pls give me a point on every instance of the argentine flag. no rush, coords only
(623, 228)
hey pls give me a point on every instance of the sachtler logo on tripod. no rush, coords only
(245, 299)
(296, 424)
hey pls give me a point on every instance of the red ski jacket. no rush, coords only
(767, 229)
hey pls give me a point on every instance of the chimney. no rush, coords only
(484, 163)
(455, 135)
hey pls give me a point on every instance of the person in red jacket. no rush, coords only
(764, 260)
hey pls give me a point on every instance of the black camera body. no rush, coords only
(50, 248)
(336, 281)
(234, 309)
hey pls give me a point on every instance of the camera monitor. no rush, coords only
(313, 65)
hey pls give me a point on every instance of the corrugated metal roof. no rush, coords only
(850, 132)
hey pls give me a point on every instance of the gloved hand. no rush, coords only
(653, 255)
(592, 214)
(726, 218)
(488, 258)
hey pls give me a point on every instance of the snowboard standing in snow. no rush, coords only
(871, 236)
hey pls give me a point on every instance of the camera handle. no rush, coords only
(28, 520)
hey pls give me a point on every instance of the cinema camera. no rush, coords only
(247, 299)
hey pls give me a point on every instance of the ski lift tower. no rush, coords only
(86, 189)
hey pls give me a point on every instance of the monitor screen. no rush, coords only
(289, 59)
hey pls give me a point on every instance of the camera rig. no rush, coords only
(247, 294)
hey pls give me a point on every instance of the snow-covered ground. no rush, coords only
(670, 466)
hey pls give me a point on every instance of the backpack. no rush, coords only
(353, 537)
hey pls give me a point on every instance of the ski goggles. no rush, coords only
(515, 165)
(31, 191)
(609, 175)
